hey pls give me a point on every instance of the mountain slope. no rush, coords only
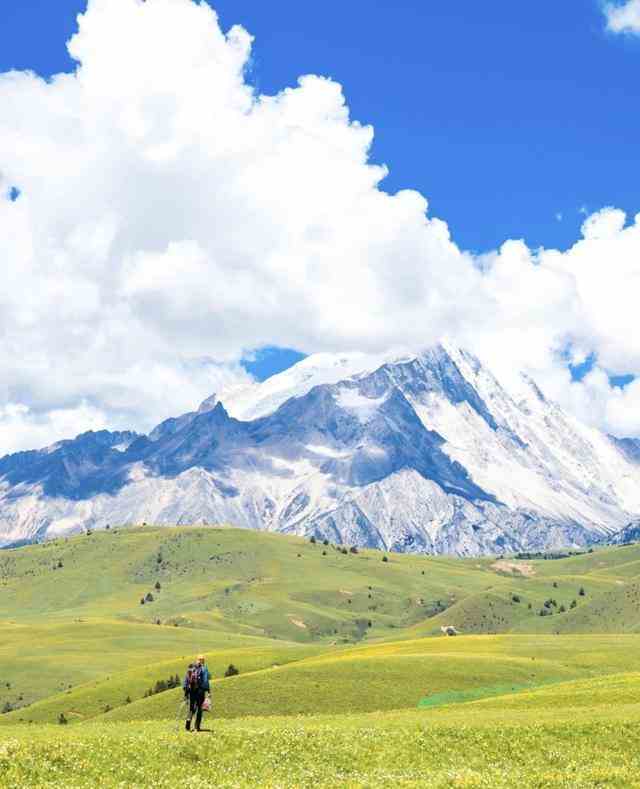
(426, 452)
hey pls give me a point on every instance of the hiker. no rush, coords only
(196, 686)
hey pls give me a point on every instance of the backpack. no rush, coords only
(194, 675)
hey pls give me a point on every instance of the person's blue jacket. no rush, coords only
(203, 680)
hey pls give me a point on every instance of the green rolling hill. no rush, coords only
(352, 642)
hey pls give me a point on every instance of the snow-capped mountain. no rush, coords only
(417, 452)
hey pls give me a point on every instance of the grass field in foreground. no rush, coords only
(534, 742)
(306, 679)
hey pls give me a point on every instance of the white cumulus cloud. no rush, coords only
(170, 218)
(623, 17)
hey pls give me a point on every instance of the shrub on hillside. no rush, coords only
(385, 558)
(582, 592)
(312, 540)
(62, 720)
(516, 598)
(158, 586)
(353, 549)
(231, 671)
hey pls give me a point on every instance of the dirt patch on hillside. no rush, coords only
(297, 622)
(521, 568)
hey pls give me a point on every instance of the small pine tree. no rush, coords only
(574, 604)
(312, 540)
(555, 584)
(562, 609)
(62, 720)
(516, 598)
(158, 586)
(149, 597)
(60, 565)
(582, 592)
(324, 553)
(385, 559)
(142, 601)
(127, 700)
(325, 542)
(231, 671)
(353, 549)
(107, 707)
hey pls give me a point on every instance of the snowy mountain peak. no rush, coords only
(423, 451)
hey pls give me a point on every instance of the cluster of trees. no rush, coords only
(162, 685)
(528, 555)
(340, 548)
(149, 598)
(551, 603)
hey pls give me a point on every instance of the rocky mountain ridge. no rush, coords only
(419, 452)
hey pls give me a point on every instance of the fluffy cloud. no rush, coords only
(623, 17)
(169, 219)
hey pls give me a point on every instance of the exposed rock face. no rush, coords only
(425, 453)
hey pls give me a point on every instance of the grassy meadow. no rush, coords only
(345, 677)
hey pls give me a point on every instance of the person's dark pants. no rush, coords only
(196, 700)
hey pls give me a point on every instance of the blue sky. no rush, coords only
(505, 115)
